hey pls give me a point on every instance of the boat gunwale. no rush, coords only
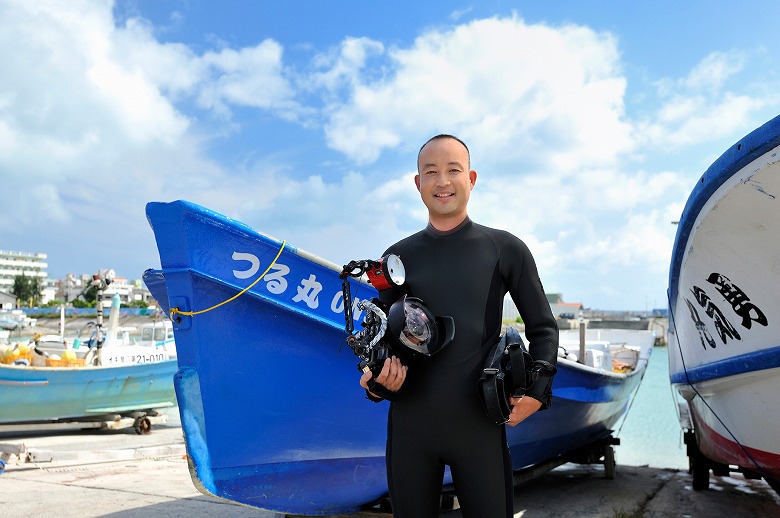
(254, 292)
(753, 361)
(212, 218)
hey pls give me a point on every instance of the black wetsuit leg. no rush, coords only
(482, 491)
(422, 440)
(481, 471)
(414, 477)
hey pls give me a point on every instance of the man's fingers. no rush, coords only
(400, 370)
(385, 372)
(393, 374)
(364, 379)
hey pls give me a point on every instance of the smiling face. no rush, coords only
(445, 181)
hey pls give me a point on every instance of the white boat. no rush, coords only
(612, 348)
(15, 318)
(159, 335)
(154, 341)
(724, 305)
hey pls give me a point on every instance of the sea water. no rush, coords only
(650, 433)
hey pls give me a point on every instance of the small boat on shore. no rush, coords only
(13, 319)
(278, 421)
(154, 337)
(32, 396)
(724, 305)
(111, 380)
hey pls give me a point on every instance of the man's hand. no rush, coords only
(522, 407)
(391, 377)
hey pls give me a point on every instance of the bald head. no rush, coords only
(445, 136)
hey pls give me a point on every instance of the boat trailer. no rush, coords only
(140, 420)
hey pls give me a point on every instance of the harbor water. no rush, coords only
(650, 434)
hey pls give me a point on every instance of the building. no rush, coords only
(73, 286)
(7, 301)
(66, 290)
(21, 263)
(561, 309)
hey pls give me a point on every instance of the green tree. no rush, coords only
(28, 289)
(78, 303)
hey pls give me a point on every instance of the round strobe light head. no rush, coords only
(388, 274)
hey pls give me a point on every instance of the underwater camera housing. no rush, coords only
(406, 329)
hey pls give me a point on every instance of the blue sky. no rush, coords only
(589, 123)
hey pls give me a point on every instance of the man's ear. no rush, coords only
(472, 178)
(417, 181)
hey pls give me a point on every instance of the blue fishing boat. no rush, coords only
(724, 306)
(49, 395)
(115, 382)
(277, 420)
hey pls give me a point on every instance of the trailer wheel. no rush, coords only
(700, 468)
(143, 426)
(609, 462)
(698, 465)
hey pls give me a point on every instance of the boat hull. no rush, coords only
(278, 421)
(720, 403)
(725, 305)
(50, 394)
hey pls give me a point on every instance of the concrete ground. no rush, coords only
(87, 473)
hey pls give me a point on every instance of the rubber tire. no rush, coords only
(609, 463)
(143, 426)
(700, 468)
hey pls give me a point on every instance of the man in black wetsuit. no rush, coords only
(460, 269)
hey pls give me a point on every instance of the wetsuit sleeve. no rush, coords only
(541, 330)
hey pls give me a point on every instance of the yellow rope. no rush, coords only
(176, 310)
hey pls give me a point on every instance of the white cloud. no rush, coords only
(172, 67)
(458, 14)
(141, 112)
(712, 72)
(701, 107)
(88, 113)
(342, 66)
(68, 98)
(502, 84)
(250, 77)
(350, 218)
(685, 121)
